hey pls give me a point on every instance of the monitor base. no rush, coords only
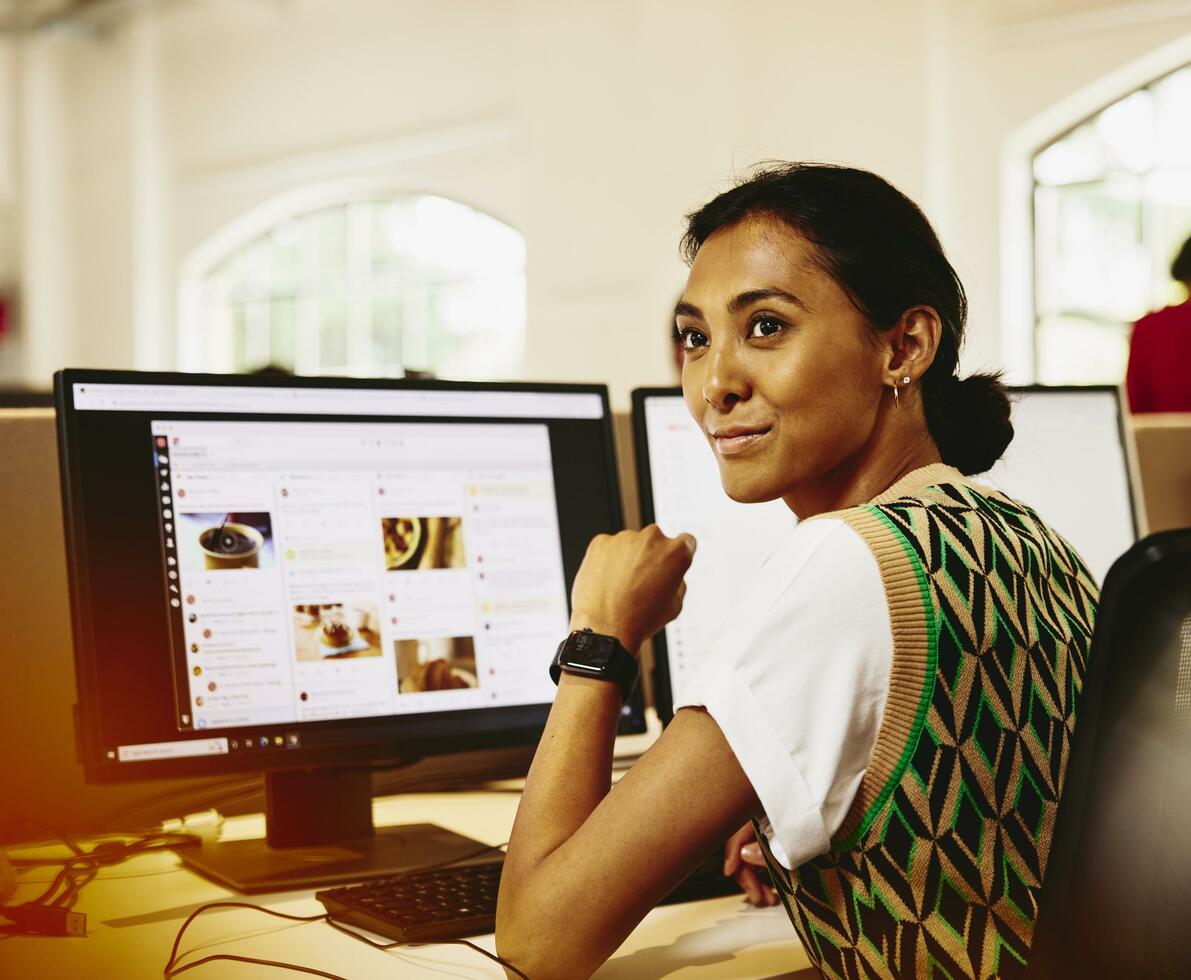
(253, 866)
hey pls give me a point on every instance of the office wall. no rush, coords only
(591, 126)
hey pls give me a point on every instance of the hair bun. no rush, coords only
(969, 420)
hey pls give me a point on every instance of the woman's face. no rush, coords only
(780, 370)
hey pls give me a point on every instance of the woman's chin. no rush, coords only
(745, 491)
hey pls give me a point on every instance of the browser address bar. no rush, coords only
(335, 401)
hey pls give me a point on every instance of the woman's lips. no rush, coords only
(733, 442)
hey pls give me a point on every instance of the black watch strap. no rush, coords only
(588, 654)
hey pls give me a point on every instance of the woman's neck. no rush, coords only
(859, 479)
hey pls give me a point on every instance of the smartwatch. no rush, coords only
(588, 654)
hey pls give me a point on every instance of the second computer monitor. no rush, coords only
(1067, 461)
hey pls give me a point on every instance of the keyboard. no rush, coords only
(421, 906)
(450, 903)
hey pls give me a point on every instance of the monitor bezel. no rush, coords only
(663, 695)
(460, 731)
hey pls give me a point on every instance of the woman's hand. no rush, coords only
(744, 861)
(630, 584)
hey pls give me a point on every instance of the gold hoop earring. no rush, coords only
(896, 394)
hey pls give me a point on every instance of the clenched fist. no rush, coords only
(630, 584)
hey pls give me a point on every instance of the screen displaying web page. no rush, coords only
(322, 570)
(1067, 461)
(688, 496)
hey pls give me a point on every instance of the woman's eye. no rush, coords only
(689, 338)
(764, 326)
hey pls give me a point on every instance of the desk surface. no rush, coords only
(135, 909)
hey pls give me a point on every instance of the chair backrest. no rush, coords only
(1117, 887)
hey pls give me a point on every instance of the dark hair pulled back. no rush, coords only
(1180, 268)
(877, 244)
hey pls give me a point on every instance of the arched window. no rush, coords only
(1112, 203)
(378, 286)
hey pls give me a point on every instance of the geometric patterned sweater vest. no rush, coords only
(937, 866)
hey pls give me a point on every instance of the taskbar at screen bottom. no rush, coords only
(207, 746)
(323, 743)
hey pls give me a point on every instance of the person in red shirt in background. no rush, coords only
(1159, 375)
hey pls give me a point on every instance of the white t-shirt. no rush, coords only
(798, 682)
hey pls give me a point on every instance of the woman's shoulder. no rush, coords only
(939, 517)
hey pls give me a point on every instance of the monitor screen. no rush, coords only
(277, 572)
(1067, 461)
(680, 489)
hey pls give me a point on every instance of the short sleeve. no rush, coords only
(797, 680)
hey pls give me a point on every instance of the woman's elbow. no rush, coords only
(537, 945)
(519, 938)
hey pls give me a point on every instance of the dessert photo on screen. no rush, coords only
(414, 543)
(216, 541)
(441, 663)
(336, 630)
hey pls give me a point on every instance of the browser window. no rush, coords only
(319, 570)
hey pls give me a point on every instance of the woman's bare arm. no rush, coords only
(586, 863)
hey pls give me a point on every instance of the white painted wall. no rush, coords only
(591, 126)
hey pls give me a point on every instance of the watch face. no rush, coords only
(588, 651)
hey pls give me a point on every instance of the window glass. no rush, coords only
(370, 287)
(1112, 205)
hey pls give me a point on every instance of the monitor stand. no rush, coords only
(319, 832)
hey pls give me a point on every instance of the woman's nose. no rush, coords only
(725, 383)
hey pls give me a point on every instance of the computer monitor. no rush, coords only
(679, 489)
(314, 577)
(1067, 460)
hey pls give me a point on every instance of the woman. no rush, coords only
(892, 696)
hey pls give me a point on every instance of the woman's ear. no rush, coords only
(912, 343)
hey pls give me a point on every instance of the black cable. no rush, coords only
(49, 913)
(259, 962)
(112, 850)
(384, 947)
(172, 969)
(81, 867)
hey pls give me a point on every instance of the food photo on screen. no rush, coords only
(218, 541)
(416, 543)
(336, 631)
(443, 663)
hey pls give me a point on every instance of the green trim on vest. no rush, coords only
(924, 700)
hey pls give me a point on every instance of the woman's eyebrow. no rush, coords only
(683, 308)
(746, 299)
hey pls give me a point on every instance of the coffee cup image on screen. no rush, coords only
(216, 541)
(336, 630)
(414, 543)
(444, 663)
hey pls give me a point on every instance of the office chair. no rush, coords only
(1115, 899)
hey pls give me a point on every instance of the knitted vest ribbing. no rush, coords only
(937, 867)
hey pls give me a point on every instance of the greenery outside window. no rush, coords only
(1112, 204)
(372, 287)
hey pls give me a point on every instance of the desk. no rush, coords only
(134, 910)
